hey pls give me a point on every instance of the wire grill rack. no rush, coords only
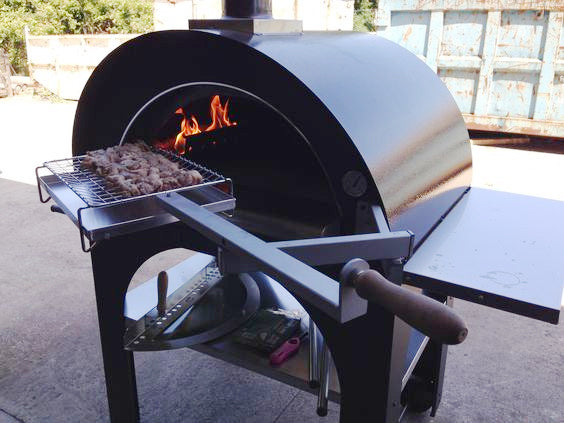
(95, 191)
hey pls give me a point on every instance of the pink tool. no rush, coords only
(286, 350)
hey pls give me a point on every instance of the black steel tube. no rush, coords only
(247, 9)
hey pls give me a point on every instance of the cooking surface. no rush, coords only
(95, 190)
(495, 248)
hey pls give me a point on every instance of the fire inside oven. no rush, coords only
(276, 175)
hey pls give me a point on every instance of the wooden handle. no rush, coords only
(162, 288)
(432, 318)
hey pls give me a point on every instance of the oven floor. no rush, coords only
(51, 364)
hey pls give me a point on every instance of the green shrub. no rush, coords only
(364, 11)
(45, 17)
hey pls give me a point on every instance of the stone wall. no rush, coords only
(63, 63)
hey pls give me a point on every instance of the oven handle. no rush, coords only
(432, 318)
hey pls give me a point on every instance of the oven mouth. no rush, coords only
(276, 174)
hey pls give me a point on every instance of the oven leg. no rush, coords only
(439, 362)
(111, 279)
(434, 362)
(114, 262)
(369, 355)
(426, 383)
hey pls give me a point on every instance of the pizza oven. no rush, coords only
(375, 125)
(336, 167)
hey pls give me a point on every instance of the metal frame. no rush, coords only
(240, 251)
(368, 352)
(275, 259)
(329, 250)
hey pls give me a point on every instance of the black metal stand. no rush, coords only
(369, 352)
(114, 262)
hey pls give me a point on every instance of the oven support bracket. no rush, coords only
(337, 300)
(329, 250)
(368, 352)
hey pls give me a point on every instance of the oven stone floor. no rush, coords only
(508, 370)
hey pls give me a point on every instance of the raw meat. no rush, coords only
(134, 169)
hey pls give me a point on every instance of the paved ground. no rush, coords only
(509, 369)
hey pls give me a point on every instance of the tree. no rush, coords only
(47, 17)
(364, 11)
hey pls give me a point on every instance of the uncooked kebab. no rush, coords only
(134, 169)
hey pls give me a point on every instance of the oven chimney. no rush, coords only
(250, 17)
(257, 9)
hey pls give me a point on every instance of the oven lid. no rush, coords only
(498, 249)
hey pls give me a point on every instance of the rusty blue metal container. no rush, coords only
(503, 61)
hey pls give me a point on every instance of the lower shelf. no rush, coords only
(294, 372)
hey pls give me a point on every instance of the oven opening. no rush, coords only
(281, 189)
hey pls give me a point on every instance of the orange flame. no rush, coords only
(218, 114)
(219, 117)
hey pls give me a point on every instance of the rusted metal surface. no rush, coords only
(503, 61)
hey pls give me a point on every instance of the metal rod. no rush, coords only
(322, 397)
(331, 250)
(313, 364)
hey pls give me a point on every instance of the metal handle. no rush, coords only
(162, 288)
(428, 316)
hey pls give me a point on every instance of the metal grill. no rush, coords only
(95, 191)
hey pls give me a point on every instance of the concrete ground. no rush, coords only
(508, 370)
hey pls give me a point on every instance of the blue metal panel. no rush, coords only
(502, 61)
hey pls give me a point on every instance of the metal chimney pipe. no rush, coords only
(247, 9)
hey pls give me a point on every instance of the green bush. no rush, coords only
(46, 17)
(364, 11)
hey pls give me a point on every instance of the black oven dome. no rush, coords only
(381, 124)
